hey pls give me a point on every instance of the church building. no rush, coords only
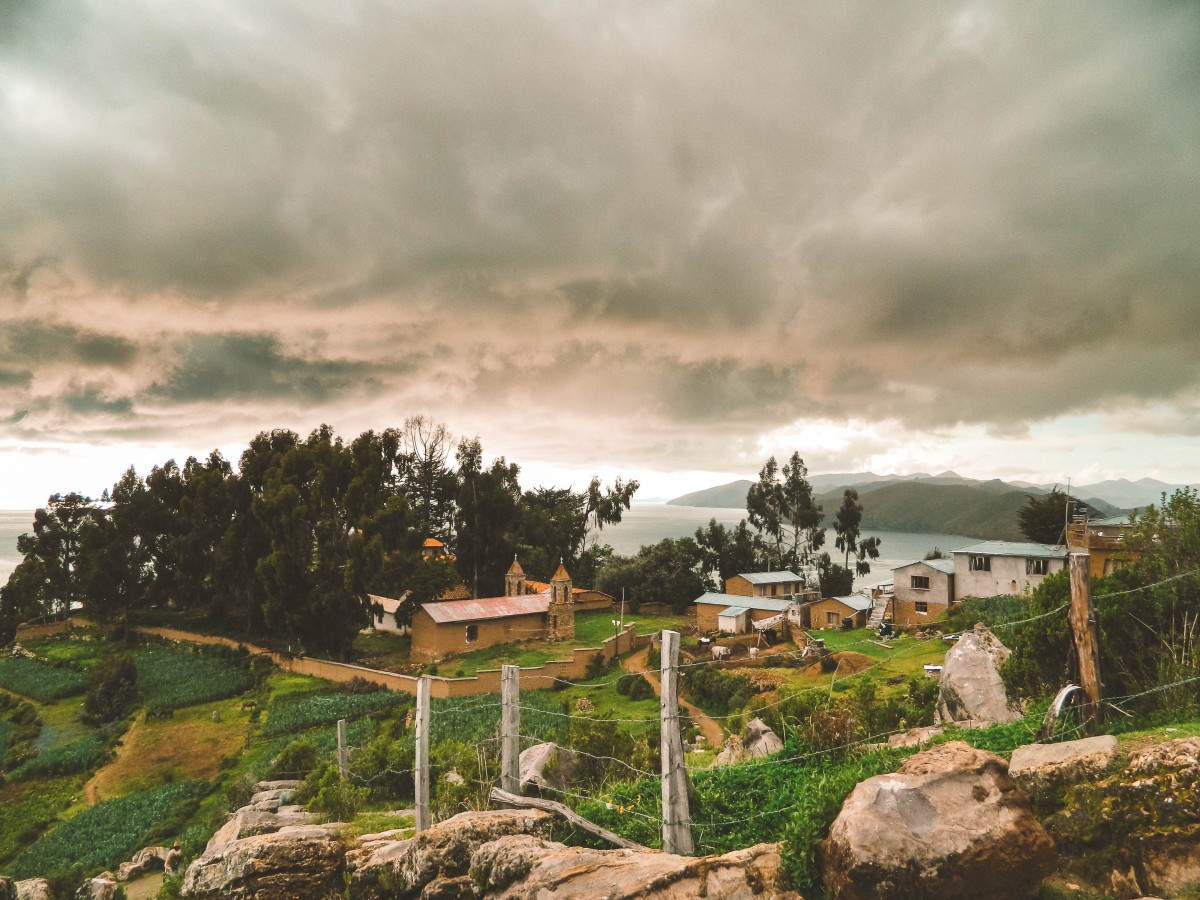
(452, 627)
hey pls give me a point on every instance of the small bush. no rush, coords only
(112, 690)
(326, 792)
(358, 685)
(635, 687)
(297, 760)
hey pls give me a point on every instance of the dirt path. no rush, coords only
(636, 662)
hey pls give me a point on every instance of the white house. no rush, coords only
(923, 590)
(1004, 567)
(386, 619)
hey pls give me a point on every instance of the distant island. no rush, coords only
(943, 503)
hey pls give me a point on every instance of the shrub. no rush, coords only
(718, 692)
(112, 690)
(296, 761)
(359, 685)
(635, 687)
(596, 667)
(326, 792)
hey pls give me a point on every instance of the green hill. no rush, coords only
(723, 496)
(975, 511)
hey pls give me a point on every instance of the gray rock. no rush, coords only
(915, 737)
(951, 823)
(549, 766)
(296, 861)
(970, 688)
(148, 859)
(1068, 760)
(103, 887)
(34, 889)
(402, 868)
(247, 822)
(757, 741)
(525, 867)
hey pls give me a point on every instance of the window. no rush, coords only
(922, 608)
(1037, 566)
(920, 582)
(832, 618)
(472, 633)
(981, 564)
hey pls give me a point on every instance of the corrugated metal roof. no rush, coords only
(487, 608)
(1013, 548)
(389, 604)
(761, 603)
(769, 577)
(1109, 521)
(942, 565)
(733, 611)
(856, 602)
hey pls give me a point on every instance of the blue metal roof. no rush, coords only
(942, 565)
(856, 602)
(733, 611)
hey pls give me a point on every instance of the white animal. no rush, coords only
(753, 652)
(719, 652)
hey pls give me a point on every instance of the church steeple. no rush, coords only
(560, 623)
(514, 580)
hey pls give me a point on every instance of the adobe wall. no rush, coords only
(432, 641)
(486, 681)
(30, 632)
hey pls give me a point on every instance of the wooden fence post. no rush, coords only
(343, 754)
(422, 755)
(510, 729)
(677, 822)
(1087, 635)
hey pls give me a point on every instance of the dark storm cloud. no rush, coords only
(34, 341)
(967, 212)
(254, 367)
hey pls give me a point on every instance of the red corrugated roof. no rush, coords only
(487, 608)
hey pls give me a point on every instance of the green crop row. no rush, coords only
(104, 835)
(292, 716)
(39, 681)
(28, 807)
(77, 756)
(472, 719)
(172, 678)
(8, 731)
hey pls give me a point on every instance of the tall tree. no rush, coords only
(785, 515)
(847, 526)
(424, 474)
(1043, 518)
(726, 551)
(801, 513)
(49, 579)
(489, 506)
(670, 572)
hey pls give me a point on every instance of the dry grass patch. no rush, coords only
(187, 747)
(851, 663)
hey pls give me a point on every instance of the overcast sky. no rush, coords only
(649, 238)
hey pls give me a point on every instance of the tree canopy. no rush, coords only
(290, 547)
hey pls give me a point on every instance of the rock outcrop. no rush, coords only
(757, 741)
(970, 689)
(1068, 762)
(295, 861)
(523, 868)
(148, 859)
(33, 889)
(951, 823)
(549, 766)
(382, 868)
(267, 812)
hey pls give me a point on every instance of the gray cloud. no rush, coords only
(720, 217)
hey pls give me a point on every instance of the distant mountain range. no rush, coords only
(942, 503)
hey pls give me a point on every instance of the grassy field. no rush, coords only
(591, 628)
(380, 650)
(61, 723)
(189, 746)
(27, 808)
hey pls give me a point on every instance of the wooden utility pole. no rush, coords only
(422, 756)
(343, 753)
(677, 820)
(510, 729)
(1087, 635)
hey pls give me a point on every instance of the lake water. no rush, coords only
(649, 523)
(644, 523)
(13, 524)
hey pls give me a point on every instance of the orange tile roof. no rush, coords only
(432, 542)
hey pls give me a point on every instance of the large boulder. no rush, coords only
(34, 889)
(387, 868)
(757, 741)
(526, 867)
(297, 861)
(1064, 763)
(248, 822)
(970, 689)
(951, 823)
(148, 859)
(549, 766)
